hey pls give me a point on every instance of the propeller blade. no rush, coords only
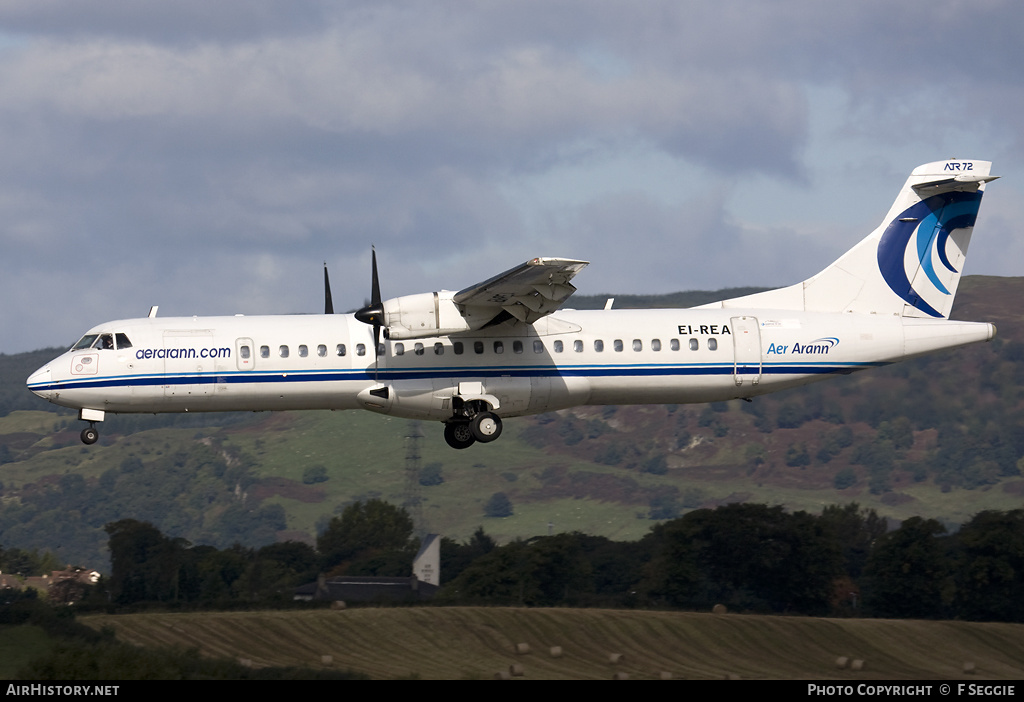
(375, 300)
(375, 281)
(373, 313)
(328, 301)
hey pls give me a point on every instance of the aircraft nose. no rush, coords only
(39, 382)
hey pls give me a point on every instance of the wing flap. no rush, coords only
(527, 292)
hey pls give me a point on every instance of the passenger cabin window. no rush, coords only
(694, 344)
(674, 344)
(321, 350)
(458, 348)
(399, 349)
(499, 347)
(303, 351)
(517, 347)
(538, 346)
(264, 352)
(598, 345)
(478, 347)
(418, 349)
(244, 351)
(558, 346)
(617, 344)
(655, 344)
(360, 349)
(638, 345)
(283, 351)
(341, 349)
(438, 349)
(712, 344)
(577, 346)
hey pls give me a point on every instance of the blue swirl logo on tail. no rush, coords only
(932, 220)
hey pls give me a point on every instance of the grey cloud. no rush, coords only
(212, 154)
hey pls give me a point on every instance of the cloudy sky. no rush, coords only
(209, 156)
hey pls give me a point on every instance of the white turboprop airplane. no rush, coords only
(504, 348)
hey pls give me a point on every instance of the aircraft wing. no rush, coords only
(527, 292)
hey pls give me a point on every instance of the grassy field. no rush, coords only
(472, 642)
(19, 645)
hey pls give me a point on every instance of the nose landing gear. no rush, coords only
(90, 435)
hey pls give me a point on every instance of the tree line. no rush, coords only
(747, 557)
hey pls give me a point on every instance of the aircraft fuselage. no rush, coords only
(199, 364)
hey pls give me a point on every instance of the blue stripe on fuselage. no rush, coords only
(392, 374)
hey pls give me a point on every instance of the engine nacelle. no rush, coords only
(426, 314)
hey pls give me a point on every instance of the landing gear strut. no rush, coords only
(90, 435)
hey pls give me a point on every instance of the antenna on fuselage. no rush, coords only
(152, 310)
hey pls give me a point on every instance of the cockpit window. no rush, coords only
(85, 342)
(122, 341)
(99, 341)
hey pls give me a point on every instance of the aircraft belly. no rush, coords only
(282, 394)
(556, 392)
(662, 388)
(213, 395)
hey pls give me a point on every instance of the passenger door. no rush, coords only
(746, 339)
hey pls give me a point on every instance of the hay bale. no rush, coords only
(969, 668)
(719, 609)
(516, 670)
(556, 651)
(326, 660)
(842, 662)
(245, 662)
(502, 675)
(522, 648)
(338, 604)
(620, 676)
(614, 658)
(665, 675)
(858, 665)
(731, 676)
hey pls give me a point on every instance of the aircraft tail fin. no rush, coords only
(910, 265)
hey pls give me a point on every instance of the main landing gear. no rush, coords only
(462, 433)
